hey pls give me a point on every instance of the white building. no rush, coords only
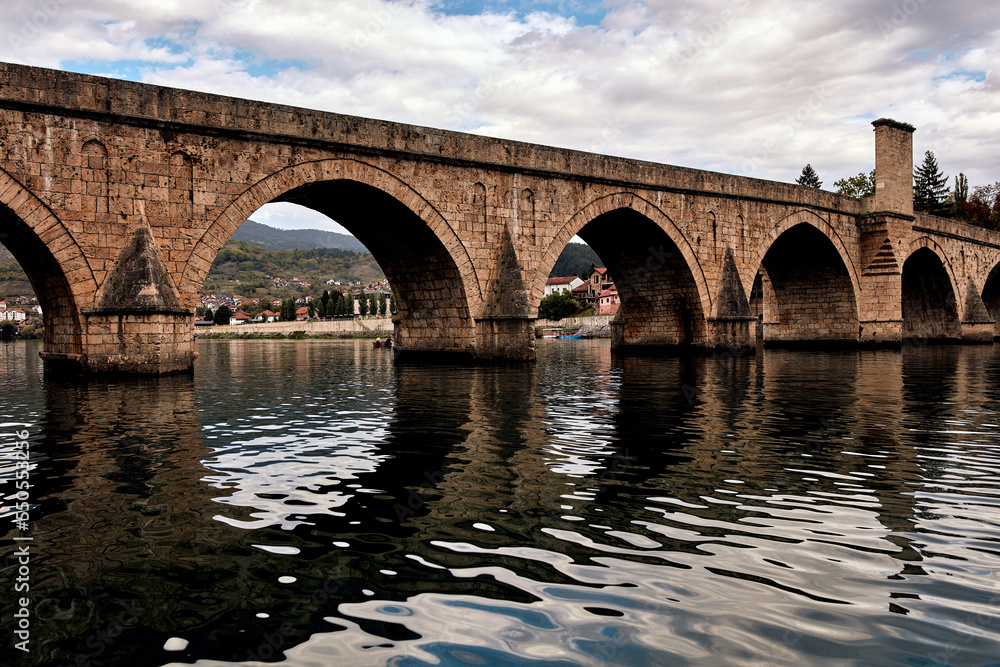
(563, 284)
(16, 315)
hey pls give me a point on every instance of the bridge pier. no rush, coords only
(129, 343)
(505, 338)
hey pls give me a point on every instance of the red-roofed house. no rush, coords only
(15, 315)
(597, 283)
(562, 284)
(267, 316)
(302, 314)
(608, 302)
(239, 317)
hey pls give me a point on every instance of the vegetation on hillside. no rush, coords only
(575, 259)
(271, 238)
(249, 270)
(13, 281)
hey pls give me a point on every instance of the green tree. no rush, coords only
(363, 305)
(930, 186)
(222, 315)
(959, 198)
(7, 331)
(862, 185)
(392, 303)
(381, 305)
(557, 306)
(288, 310)
(209, 315)
(372, 306)
(809, 178)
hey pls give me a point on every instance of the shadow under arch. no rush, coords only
(436, 286)
(55, 265)
(991, 296)
(929, 294)
(808, 287)
(663, 291)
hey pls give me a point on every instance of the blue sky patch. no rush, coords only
(585, 13)
(130, 70)
(968, 75)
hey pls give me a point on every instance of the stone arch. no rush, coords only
(810, 289)
(929, 293)
(663, 291)
(798, 217)
(608, 204)
(436, 307)
(56, 266)
(991, 295)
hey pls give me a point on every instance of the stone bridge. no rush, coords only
(116, 196)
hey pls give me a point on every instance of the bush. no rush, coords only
(557, 306)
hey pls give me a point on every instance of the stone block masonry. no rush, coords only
(116, 197)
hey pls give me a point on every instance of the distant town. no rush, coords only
(266, 275)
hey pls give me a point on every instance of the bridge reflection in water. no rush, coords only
(312, 501)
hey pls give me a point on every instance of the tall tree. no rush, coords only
(392, 303)
(930, 186)
(363, 305)
(381, 305)
(809, 178)
(372, 306)
(288, 310)
(222, 315)
(958, 201)
(862, 185)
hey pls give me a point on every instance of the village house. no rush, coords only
(239, 317)
(608, 302)
(562, 284)
(267, 316)
(15, 315)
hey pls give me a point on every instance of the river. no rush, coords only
(312, 503)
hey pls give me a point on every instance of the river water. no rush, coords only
(312, 503)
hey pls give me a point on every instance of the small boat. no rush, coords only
(550, 333)
(571, 335)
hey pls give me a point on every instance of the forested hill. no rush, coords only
(271, 238)
(13, 281)
(249, 270)
(575, 260)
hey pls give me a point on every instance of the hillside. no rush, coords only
(575, 260)
(13, 281)
(249, 270)
(271, 238)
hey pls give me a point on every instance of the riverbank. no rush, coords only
(596, 326)
(341, 328)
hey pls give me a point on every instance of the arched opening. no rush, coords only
(762, 306)
(62, 330)
(433, 313)
(807, 297)
(930, 310)
(660, 305)
(991, 298)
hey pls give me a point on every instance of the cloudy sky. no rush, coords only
(758, 88)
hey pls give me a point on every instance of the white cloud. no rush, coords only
(759, 88)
